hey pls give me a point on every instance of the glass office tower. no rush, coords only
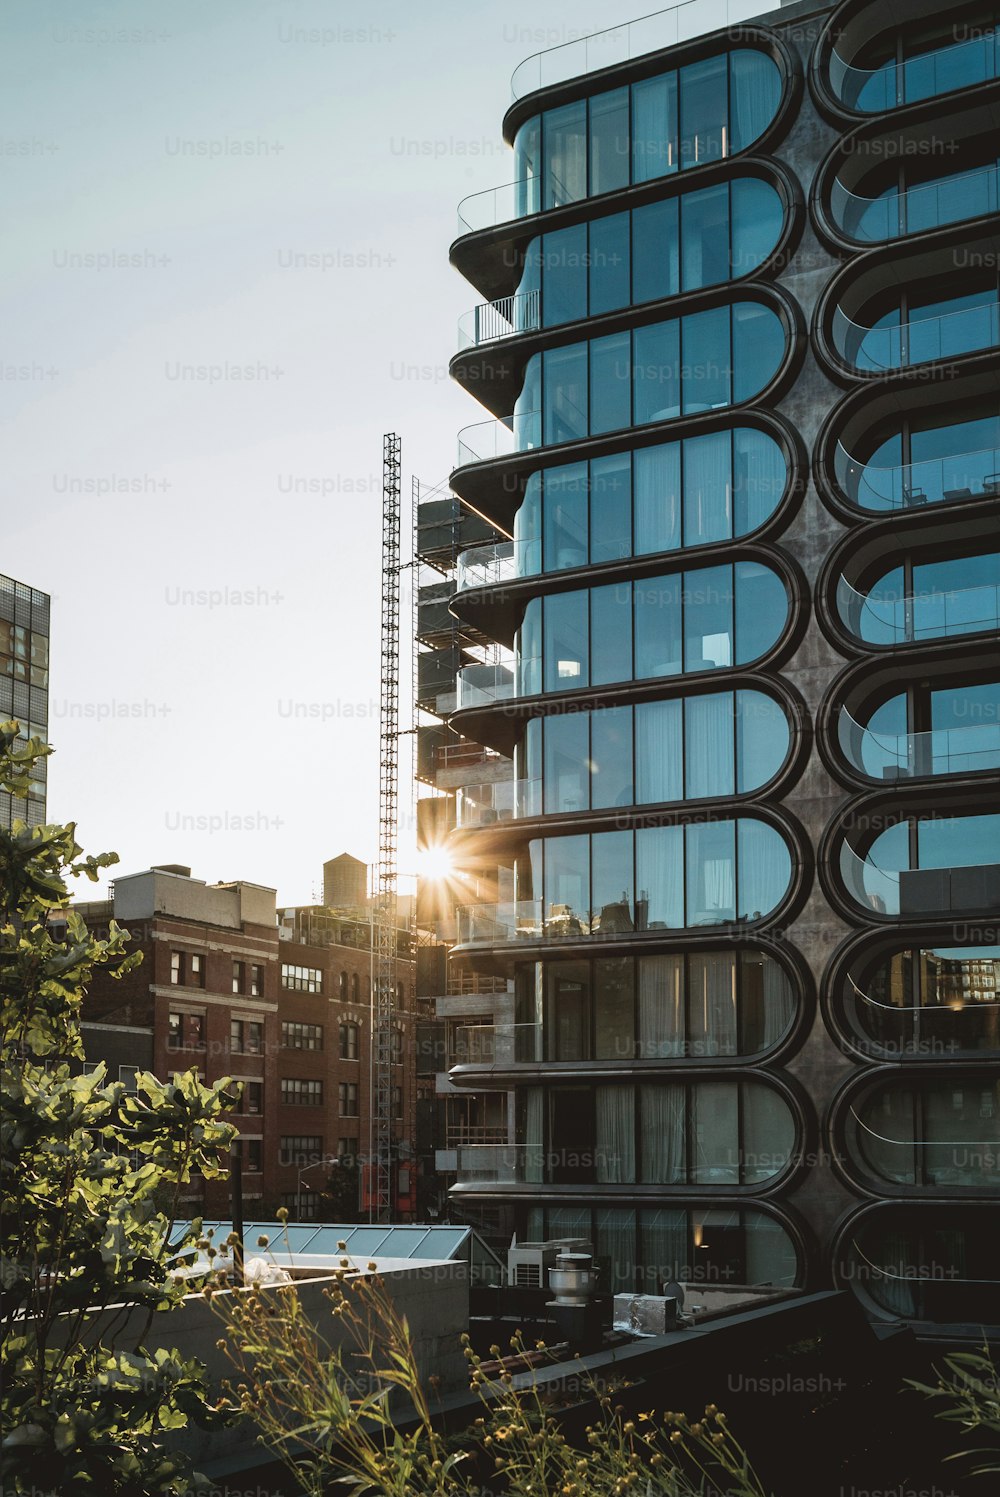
(738, 342)
(24, 688)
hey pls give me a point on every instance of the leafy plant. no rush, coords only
(352, 1410)
(970, 1390)
(85, 1170)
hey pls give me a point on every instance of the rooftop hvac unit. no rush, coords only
(528, 1263)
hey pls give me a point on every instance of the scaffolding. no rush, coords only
(384, 938)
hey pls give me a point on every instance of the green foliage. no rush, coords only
(331, 1408)
(85, 1169)
(970, 1392)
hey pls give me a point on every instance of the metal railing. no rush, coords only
(494, 320)
(455, 755)
(919, 341)
(918, 616)
(602, 49)
(958, 65)
(485, 441)
(498, 800)
(927, 205)
(941, 751)
(937, 480)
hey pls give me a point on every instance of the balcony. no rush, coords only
(927, 892)
(485, 441)
(938, 480)
(484, 683)
(875, 90)
(921, 341)
(527, 920)
(498, 800)
(492, 321)
(604, 49)
(942, 751)
(486, 566)
(914, 618)
(928, 205)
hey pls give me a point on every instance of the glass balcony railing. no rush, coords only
(937, 480)
(919, 616)
(941, 751)
(960, 1021)
(501, 1045)
(493, 320)
(920, 341)
(482, 683)
(533, 920)
(928, 892)
(603, 49)
(485, 566)
(975, 59)
(487, 440)
(928, 205)
(498, 800)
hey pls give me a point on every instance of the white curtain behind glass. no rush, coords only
(709, 744)
(615, 1134)
(712, 1005)
(663, 1144)
(661, 1007)
(659, 751)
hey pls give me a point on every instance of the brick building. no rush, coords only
(285, 1010)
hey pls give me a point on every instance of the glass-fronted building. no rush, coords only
(737, 343)
(24, 687)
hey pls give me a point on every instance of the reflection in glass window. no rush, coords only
(931, 1003)
(720, 1133)
(565, 140)
(609, 149)
(644, 1250)
(651, 617)
(715, 744)
(701, 874)
(655, 240)
(654, 128)
(936, 1134)
(701, 362)
(725, 103)
(685, 242)
(940, 1267)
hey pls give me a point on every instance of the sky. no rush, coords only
(225, 276)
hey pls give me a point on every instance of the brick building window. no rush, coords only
(348, 1042)
(301, 1149)
(396, 1046)
(185, 1031)
(301, 1093)
(177, 967)
(301, 979)
(246, 1036)
(253, 1155)
(347, 1150)
(301, 1036)
(253, 1097)
(355, 988)
(256, 981)
(239, 976)
(344, 987)
(397, 1102)
(347, 1093)
(196, 970)
(303, 1205)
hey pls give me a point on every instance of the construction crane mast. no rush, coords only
(384, 933)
